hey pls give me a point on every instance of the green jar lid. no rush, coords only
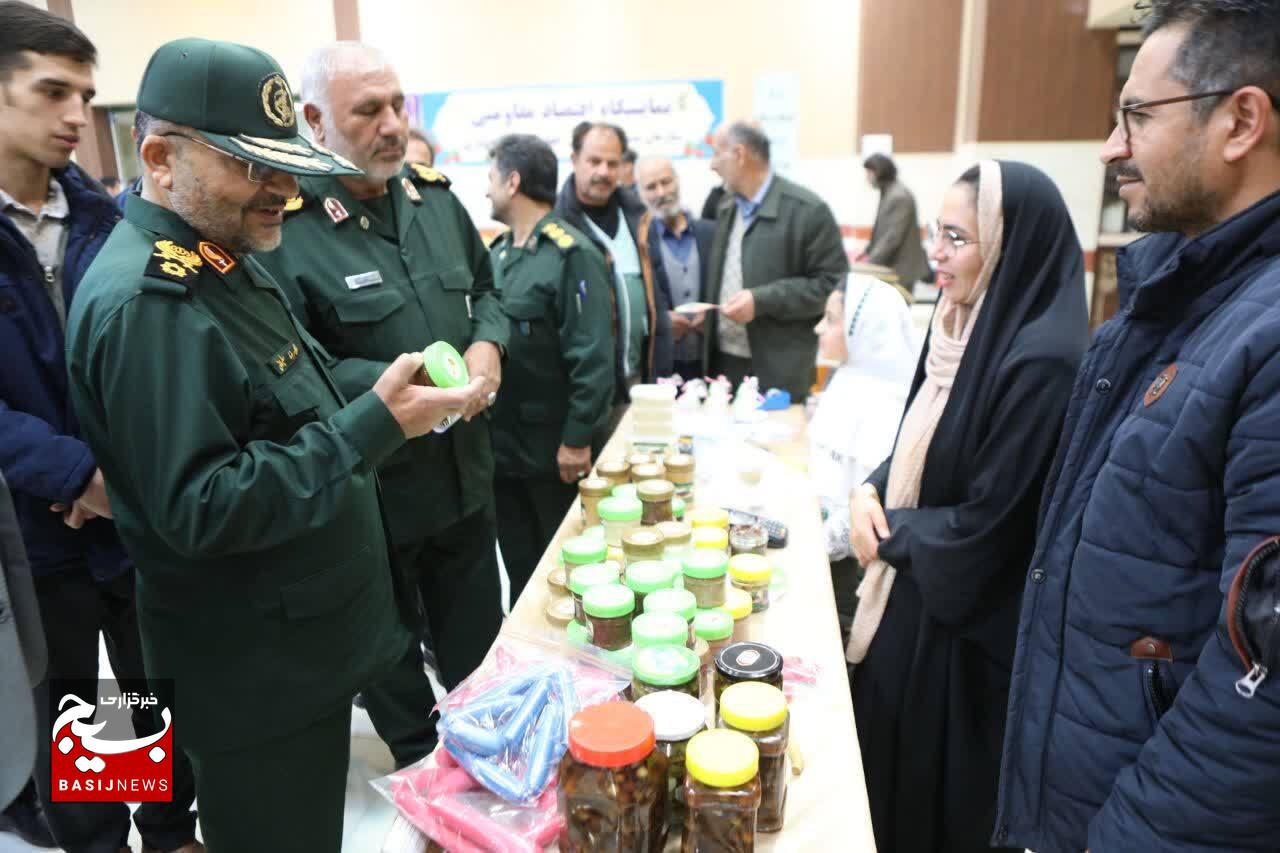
(648, 576)
(594, 532)
(578, 634)
(679, 601)
(620, 509)
(608, 601)
(665, 666)
(712, 625)
(581, 550)
(445, 365)
(661, 628)
(677, 507)
(584, 578)
(706, 564)
(626, 490)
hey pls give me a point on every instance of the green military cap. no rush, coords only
(239, 100)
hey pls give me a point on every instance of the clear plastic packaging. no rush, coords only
(760, 712)
(722, 793)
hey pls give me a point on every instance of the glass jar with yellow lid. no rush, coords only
(721, 793)
(759, 711)
(752, 573)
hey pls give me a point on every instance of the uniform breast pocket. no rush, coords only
(447, 295)
(368, 306)
(283, 407)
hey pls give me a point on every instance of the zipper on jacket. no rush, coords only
(1157, 697)
(1248, 684)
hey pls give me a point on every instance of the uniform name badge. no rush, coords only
(364, 279)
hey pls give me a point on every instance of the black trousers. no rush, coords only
(457, 572)
(76, 609)
(531, 511)
(734, 368)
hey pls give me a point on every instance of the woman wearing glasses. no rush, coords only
(945, 526)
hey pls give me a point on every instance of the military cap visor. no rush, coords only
(238, 99)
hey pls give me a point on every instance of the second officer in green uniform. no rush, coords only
(376, 265)
(559, 381)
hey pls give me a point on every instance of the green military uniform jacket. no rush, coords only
(241, 483)
(792, 258)
(558, 382)
(371, 289)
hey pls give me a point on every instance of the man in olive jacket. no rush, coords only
(777, 255)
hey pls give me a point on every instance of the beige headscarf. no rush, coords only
(949, 332)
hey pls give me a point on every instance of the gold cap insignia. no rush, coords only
(277, 101)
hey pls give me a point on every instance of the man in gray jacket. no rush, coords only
(895, 237)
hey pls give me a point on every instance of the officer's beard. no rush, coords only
(221, 221)
(376, 171)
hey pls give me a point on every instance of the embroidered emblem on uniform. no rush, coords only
(283, 360)
(336, 211)
(217, 257)
(176, 260)
(277, 100)
(410, 190)
(1161, 384)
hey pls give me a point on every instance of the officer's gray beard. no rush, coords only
(374, 172)
(217, 220)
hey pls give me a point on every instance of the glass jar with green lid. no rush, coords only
(646, 576)
(759, 711)
(716, 628)
(704, 573)
(641, 544)
(584, 578)
(721, 792)
(591, 491)
(677, 717)
(655, 498)
(616, 471)
(752, 573)
(608, 608)
(582, 551)
(677, 540)
(596, 532)
(648, 471)
(620, 515)
(626, 490)
(678, 601)
(737, 604)
(664, 668)
(663, 628)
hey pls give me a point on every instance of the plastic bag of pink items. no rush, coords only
(490, 785)
(798, 676)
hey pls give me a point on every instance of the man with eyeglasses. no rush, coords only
(242, 480)
(1142, 715)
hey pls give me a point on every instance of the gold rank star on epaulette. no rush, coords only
(174, 262)
(293, 204)
(558, 235)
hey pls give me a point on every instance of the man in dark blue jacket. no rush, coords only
(53, 220)
(1126, 727)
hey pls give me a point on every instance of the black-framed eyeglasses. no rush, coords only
(257, 172)
(939, 236)
(1122, 112)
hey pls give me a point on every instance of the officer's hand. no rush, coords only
(867, 526)
(680, 325)
(741, 308)
(485, 361)
(418, 408)
(574, 462)
(77, 516)
(699, 322)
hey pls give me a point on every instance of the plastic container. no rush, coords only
(677, 540)
(722, 793)
(749, 539)
(577, 634)
(615, 471)
(655, 499)
(612, 782)
(716, 628)
(596, 532)
(444, 367)
(620, 516)
(708, 516)
(664, 668)
(677, 508)
(739, 662)
(737, 604)
(648, 471)
(659, 629)
(626, 490)
(584, 578)
(608, 608)
(678, 601)
(704, 573)
(640, 459)
(677, 717)
(591, 491)
(641, 545)
(752, 573)
(582, 551)
(558, 581)
(648, 576)
(711, 539)
(759, 711)
(681, 473)
(559, 611)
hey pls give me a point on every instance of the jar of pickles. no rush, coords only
(721, 792)
(655, 498)
(591, 491)
(616, 472)
(737, 604)
(704, 573)
(649, 576)
(749, 539)
(658, 629)
(584, 578)
(739, 662)
(680, 471)
(677, 717)
(759, 711)
(608, 608)
(678, 601)
(677, 540)
(664, 668)
(711, 539)
(752, 573)
(612, 782)
(582, 551)
(620, 516)
(641, 544)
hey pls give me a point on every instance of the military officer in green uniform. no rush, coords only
(242, 482)
(379, 264)
(559, 386)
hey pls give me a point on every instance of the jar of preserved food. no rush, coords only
(559, 611)
(641, 545)
(620, 517)
(722, 793)
(677, 717)
(752, 573)
(738, 605)
(584, 578)
(678, 601)
(749, 539)
(608, 608)
(582, 551)
(715, 627)
(708, 516)
(616, 472)
(596, 532)
(680, 471)
(626, 490)
(649, 471)
(740, 662)
(663, 628)
(677, 540)
(558, 581)
(664, 668)
(759, 711)
(704, 573)
(711, 539)
(648, 576)
(640, 459)
(591, 491)
(655, 498)
(612, 782)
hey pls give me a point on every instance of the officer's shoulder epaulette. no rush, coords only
(563, 240)
(171, 269)
(296, 204)
(427, 176)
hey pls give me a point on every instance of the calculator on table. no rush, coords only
(776, 529)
